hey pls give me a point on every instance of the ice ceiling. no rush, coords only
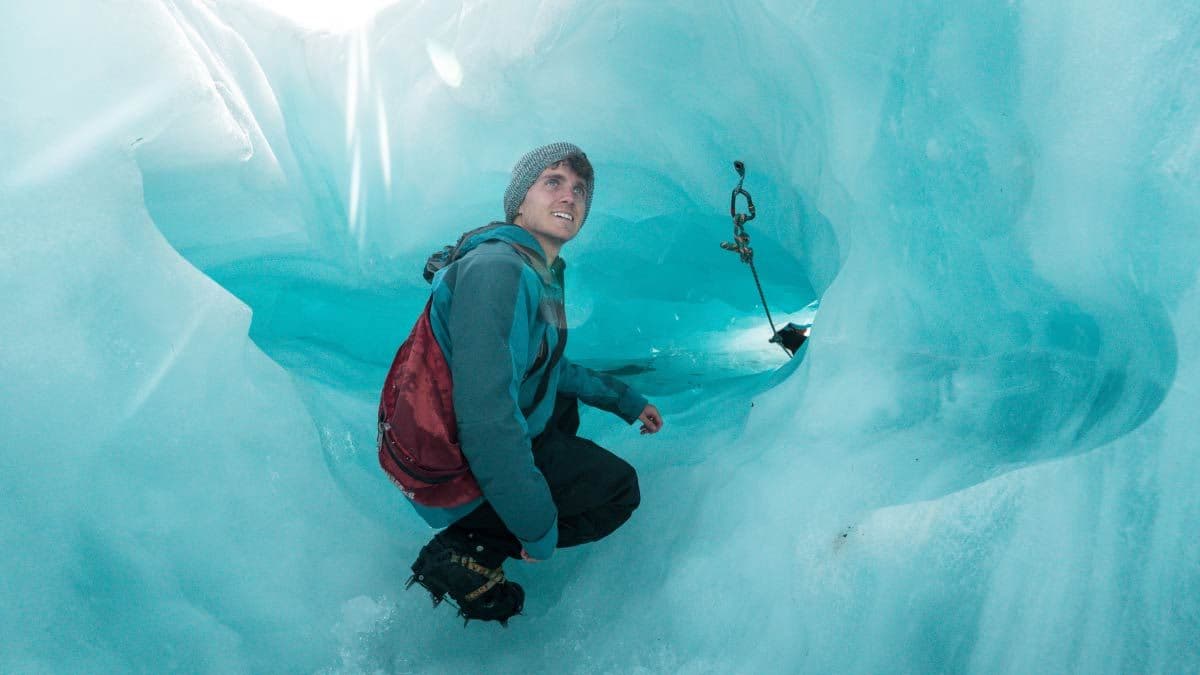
(213, 219)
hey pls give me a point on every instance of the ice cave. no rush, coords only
(213, 217)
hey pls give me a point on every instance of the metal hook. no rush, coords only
(740, 218)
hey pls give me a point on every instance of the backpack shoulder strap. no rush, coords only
(448, 254)
(550, 365)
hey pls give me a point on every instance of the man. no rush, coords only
(497, 313)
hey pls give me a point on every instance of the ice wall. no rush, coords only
(983, 462)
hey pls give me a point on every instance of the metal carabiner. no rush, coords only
(740, 218)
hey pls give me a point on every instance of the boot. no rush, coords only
(453, 564)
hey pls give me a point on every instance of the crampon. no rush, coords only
(446, 568)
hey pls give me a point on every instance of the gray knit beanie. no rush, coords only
(529, 167)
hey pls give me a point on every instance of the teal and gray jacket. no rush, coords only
(496, 313)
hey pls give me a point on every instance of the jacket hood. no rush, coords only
(516, 236)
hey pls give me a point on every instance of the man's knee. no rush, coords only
(603, 500)
(628, 493)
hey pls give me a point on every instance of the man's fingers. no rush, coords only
(651, 419)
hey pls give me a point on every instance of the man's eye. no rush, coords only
(580, 191)
(552, 182)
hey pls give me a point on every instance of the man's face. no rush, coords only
(554, 207)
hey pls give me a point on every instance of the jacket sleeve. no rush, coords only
(600, 391)
(488, 327)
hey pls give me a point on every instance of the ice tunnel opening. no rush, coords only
(681, 339)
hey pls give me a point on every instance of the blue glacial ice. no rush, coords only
(212, 222)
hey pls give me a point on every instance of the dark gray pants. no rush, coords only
(595, 491)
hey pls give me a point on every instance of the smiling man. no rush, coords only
(556, 203)
(498, 316)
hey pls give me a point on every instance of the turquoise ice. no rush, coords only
(212, 221)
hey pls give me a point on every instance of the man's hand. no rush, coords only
(651, 419)
(527, 558)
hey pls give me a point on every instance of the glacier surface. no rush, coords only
(213, 219)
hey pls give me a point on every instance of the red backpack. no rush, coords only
(418, 431)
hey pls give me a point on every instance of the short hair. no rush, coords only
(580, 165)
